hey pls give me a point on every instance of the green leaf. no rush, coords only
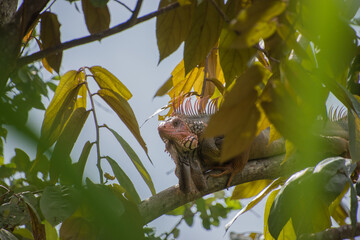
(22, 160)
(354, 136)
(23, 232)
(58, 203)
(177, 211)
(50, 37)
(6, 235)
(124, 180)
(83, 158)
(106, 80)
(172, 27)
(284, 202)
(176, 232)
(204, 33)
(353, 206)
(66, 143)
(124, 111)
(256, 200)
(77, 228)
(287, 232)
(135, 160)
(51, 233)
(233, 60)
(307, 195)
(188, 217)
(59, 109)
(97, 18)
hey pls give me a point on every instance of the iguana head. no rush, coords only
(176, 134)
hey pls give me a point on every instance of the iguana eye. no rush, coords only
(176, 122)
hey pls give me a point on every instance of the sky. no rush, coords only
(132, 56)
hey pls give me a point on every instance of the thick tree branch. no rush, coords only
(156, 205)
(98, 36)
(342, 232)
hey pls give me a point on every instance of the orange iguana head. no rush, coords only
(176, 134)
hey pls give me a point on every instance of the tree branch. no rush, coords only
(342, 232)
(97, 36)
(172, 197)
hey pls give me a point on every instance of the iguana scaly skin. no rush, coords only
(192, 154)
(181, 137)
(195, 155)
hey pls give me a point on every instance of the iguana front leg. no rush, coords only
(182, 145)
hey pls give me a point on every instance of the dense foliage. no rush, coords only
(270, 63)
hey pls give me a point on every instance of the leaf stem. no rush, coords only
(220, 11)
(97, 141)
(124, 5)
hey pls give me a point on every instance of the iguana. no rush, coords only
(194, 155)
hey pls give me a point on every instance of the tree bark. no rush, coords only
(172, 197)
(13, 27)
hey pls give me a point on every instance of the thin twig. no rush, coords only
(173, 229)
(257, 47)
(94, 37)
(135, 14)
(97, 142)
(124, 5)
(220, 11)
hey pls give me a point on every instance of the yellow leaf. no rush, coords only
(66, 142)
(262, 30)
(204, 33)
(46, 65)
(164, 88)
(256, 200)
(290, 150)
(256, 22)
(50, 37)
(274, 134)
(238, 115)
(337, 212)
(59, 109)
(43, 60)
(183, 84)
(124, 112)
(233, 61)
(173, 27)
(249, 189)
(81, 100)
(287, 233)
(106, 80)
(97, 18)
(263, 122)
